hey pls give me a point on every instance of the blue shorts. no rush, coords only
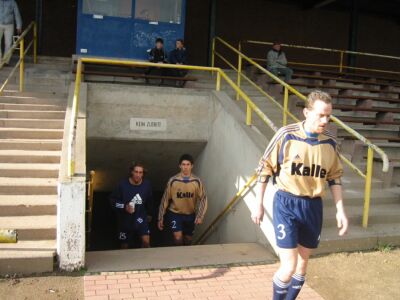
(140, 228)
(180, 222)
(297, 220)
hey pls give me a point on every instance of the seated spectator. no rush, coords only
(178, 57)
(277, 62)
(132, 202)
(157, 55)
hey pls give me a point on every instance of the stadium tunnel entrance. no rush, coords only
(111, 165)
(156, 126)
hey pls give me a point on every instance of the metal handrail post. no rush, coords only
(34, 43)
(218, 84)
(74, 112)
(341, 62)
(285, 106)
(21, 65)
(239, 74)
(248, 114)
(367, 192)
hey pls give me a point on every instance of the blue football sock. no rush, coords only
(280, 288)
(295, 286)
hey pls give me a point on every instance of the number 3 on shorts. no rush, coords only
(281, 228)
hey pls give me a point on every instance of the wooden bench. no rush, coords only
(346, 107)
(368, 121)
(325, 86)
(138, 75)
(342, 79)
(355, 97)
(377, 138)
(347, 74)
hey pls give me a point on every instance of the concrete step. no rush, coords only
(31, 227)
(28, 186)
(32, 123)
(27, 257)
(29, 170)
(28, 133)
(36, 107)
(16, 114)
(15, 98)
(30, 144)
(28, 205)
(179, 257)
(29, 156)
(371, 131)
(356, 182)
(356, 197)
(378, 214)
(358, 238)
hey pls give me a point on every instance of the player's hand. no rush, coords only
(198, 221)
(258, 215)
(19, 31)
(161, 224)
(129, 209)
(342, 222)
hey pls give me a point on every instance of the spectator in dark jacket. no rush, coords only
(178, 57)
(157, 55)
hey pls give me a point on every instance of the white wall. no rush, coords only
(228, 161)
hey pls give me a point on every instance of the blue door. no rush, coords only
(128, 28)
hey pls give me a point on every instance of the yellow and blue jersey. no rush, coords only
(301, 164)
(184, 195)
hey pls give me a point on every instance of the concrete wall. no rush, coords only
(71, 204)
(225, 165)
(111, 107)
(113, 145)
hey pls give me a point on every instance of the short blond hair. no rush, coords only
(318, 95)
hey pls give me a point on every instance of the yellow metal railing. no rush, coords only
(20, 43)
(340, 66)
(287, 88)
(206, 233)
(220, 75)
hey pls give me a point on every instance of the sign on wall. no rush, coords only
(148, 124)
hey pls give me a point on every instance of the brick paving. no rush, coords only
(219, 283)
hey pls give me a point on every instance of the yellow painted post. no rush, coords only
(341, 62)
(34, 43)
(248, 114)
(367, 192)
(74, 113)
(239, 74)
(285, 106)
(218, 85)
(21, 65)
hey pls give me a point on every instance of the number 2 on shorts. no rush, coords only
(281, 228)
(173, 224)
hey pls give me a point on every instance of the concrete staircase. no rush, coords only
(31, 132)
(384, 221)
